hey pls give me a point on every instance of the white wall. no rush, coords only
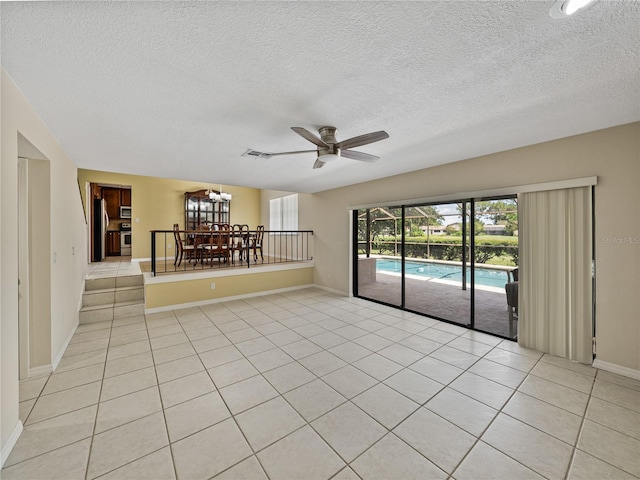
(67, 245)
(613, 155)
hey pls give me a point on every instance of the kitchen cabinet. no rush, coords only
(125, 197)
(200, 209)
(112, 197)
(113, 243)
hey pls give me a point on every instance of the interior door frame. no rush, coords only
(24, 316)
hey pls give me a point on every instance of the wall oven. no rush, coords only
(125, 239)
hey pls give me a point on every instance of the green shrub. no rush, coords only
(446, 247)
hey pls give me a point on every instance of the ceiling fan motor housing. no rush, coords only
(328, 136)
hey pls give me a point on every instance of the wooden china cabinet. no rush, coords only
(199, 209)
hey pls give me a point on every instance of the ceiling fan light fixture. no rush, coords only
(329, 157)
(565, 8)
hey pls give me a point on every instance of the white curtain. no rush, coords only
(555, 284)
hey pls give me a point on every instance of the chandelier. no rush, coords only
(218, 196)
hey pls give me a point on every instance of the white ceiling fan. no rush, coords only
(329, 149)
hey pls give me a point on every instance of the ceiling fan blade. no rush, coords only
(292, 153)
(364, 157)
(318, 164)
(362, 140)
(306, 134)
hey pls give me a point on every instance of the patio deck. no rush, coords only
(444, 301)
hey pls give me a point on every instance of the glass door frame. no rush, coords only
(468, 258)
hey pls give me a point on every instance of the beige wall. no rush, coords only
(180, 292)
(613, 155)
(66, 254)
(158, 203)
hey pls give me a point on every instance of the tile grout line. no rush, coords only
(95, 420)
(582, 422)
(164, 415)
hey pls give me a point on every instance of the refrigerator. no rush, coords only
(100, 224)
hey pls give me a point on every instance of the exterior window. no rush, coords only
(283, 213)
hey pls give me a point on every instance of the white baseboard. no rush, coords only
(148, 259)
(56, 361)
(10, 443)
(620, 370)
(40, 371)
(333, 290)
(200, 303)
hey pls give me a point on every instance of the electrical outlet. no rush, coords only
(213, 286)
(169, 245)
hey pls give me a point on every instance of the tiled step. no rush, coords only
(109, 298)
(96, 313)
(113, 282)
(102, 313)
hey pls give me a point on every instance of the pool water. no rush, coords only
(484, 276)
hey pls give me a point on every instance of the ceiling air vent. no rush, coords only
(256, 154)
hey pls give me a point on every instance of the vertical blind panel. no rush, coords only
(283, 213)
(275, 214)
(290, 212)
(555, 229)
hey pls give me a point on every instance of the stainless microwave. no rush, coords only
(125, 212)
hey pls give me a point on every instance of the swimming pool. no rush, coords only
(484, 276)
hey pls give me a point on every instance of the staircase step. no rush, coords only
(128, 294)
(128, 309)
(130, 281)
(101, 313)
(104, 297)
(96, 313)
(102, 283)
(109, 296)
(91, 284)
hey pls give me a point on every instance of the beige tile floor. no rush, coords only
(310, 385)
(447, 301)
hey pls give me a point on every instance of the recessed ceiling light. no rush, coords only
(565, 8)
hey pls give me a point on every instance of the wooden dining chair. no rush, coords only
(239, 241)
(182, 250)
(257, 243)
(216, 245)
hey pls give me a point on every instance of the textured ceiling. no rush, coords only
(181, 90)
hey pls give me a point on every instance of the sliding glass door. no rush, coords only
(450, 261)
(495, 249)
(436, 261)
(379, 258)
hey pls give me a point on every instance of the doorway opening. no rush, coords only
(34, 261)
(110, 225)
